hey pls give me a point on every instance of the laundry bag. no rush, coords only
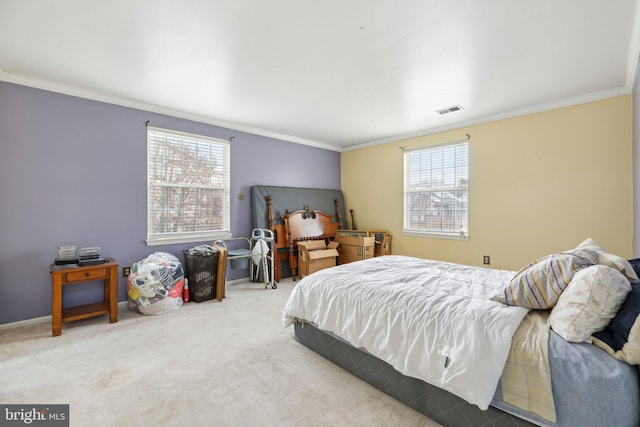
(155, 284)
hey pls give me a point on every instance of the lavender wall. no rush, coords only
(73, 171)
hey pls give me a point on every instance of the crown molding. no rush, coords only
(634, 55)
(79, 92)
(562, 103)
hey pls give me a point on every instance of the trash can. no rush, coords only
(201, 268)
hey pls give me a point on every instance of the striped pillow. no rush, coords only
(539, 284)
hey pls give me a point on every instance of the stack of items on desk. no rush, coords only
(67, 256)
(90, 256)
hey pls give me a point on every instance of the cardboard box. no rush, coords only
(354, 248)
(314, 255)
(383, 247)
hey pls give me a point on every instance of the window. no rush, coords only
(435, 191)
(187, 187)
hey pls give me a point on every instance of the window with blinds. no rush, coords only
(187, 187)
(436, 191)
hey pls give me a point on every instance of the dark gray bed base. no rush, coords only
(437, 404)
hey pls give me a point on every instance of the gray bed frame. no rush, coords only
(437, 404)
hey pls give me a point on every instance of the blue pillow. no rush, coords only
(615, 336)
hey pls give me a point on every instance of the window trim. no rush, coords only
(452, 235)
(436, 235)
(156, 239)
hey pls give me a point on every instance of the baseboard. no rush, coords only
(122, 305)
(28, 322)
(237, 281)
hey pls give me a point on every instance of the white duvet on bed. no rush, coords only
(428, 319)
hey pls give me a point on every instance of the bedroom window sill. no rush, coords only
(436, 235)
(186, 238)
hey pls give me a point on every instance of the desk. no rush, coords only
(108, 272)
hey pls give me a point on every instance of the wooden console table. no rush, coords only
(108, 272)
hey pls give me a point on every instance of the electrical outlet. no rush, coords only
(486, 260)
(126, 271)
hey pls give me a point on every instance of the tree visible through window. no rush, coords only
(188, 187)
(435, 190)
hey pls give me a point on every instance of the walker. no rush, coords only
(260, 245)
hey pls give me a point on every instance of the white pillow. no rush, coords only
(610, 260)
(591, 299)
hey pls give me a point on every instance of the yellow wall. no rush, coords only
(538, 184)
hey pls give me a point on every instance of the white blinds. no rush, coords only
(435, 190)
(188, 186)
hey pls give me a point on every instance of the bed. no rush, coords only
(293, 215)
(298, 226)
(459, 344)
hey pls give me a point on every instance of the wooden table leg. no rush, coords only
(111, 293)
(56, 305)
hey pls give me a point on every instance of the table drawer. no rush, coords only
(83, 276)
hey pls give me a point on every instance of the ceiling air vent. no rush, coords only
(449, 109)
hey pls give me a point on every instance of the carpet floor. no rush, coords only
(226, 363)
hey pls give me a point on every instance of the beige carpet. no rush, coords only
(206, 364)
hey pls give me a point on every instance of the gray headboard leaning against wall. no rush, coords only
(293, 199)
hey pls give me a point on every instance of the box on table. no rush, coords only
(354, 248)
(315, 255)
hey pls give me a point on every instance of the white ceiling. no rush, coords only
(335, 74)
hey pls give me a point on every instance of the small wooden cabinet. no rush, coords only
(108, 272)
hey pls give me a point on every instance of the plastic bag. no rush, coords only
(155, 284)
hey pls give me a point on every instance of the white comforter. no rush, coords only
(428, 319)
